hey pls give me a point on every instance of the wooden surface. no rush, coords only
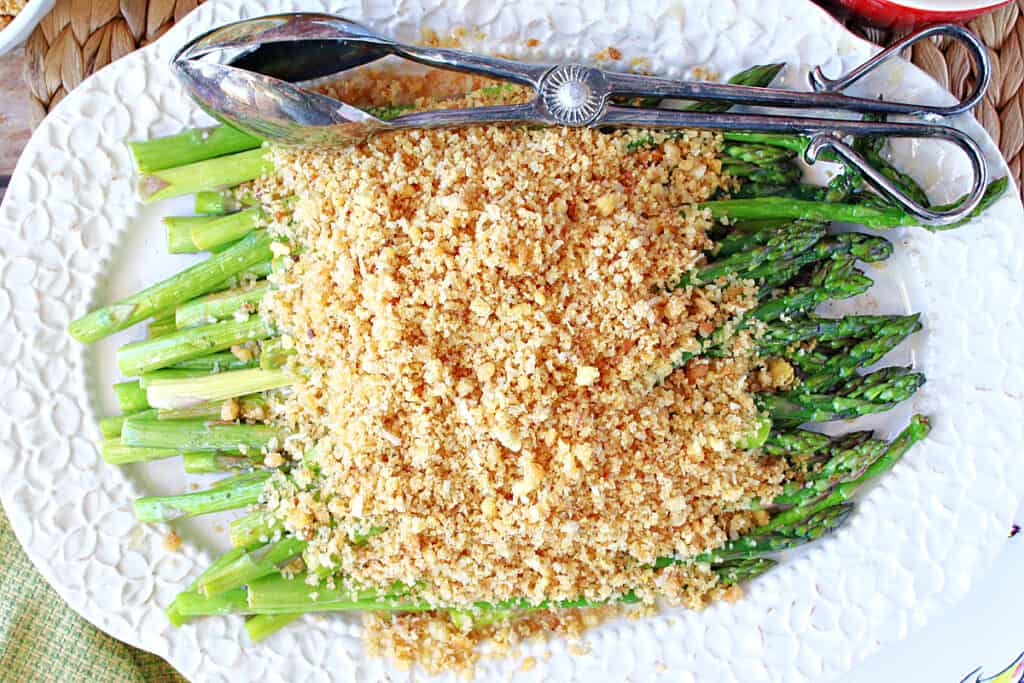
(14, 114)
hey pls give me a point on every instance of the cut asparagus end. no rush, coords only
(116, 453)
(131, 397)
(261, 626)
(222, 230)
(179, 232)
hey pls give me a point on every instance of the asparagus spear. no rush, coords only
(221, 230)
(916, 431)
(173, 615)
(182, 393)
(251, 565)
(210, 174)
(820, 329)
(241, 491)
(116, 453)
(190, 146)
(868, 215)
(193, 342)
(206, 462)
(857, 396)
(220, 305)
(752, 546)
(198, 435)
(784, 243)
(177, 289)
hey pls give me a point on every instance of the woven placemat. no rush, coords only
(80, 36)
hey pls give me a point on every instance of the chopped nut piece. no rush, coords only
(781, 372)
(606, 204)
(587, 375)
(229, 410)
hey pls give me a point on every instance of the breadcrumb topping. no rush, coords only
(485, 323)
(9, 9)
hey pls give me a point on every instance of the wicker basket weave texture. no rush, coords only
(80, 36)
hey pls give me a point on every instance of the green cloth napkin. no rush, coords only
(42, 639)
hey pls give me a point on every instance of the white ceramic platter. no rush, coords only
(72, 235)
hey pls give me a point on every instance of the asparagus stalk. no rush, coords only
(213, 409)
(110, 427)
(210, 174)
(261, 626)
(177, 289)
(131, 397)
(252, 565)
(198, 435)
(173, 615)
(179, 232)
(759, 76)
(116, 453)
(869, 215)
(182, 393)
(200, 462)
(222, 230)
(216, 362)
(785, 243)
(158, 328)
(858, 396)
(193, 342)
(190, 146)
(239, 493)
(220, 305)
(253, 529)
(820, 329)
(916, 431)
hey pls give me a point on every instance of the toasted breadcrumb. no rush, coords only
(172, 541)
(10, 8)
(486, 326)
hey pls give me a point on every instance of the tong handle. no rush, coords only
(826, 135)
(826, 92)
(982, 65)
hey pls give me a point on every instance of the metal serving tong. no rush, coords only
(250, 74)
